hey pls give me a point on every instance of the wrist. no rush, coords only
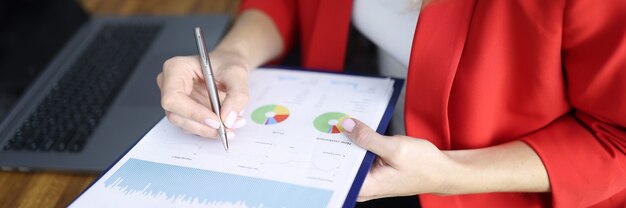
(475, 171)
(453, 172)
(233, 58)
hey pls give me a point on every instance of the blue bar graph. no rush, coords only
(190, 184)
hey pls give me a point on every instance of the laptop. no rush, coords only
(81, 90)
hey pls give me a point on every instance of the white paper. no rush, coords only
(274, 161)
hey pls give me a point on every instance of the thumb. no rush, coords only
(367, 138)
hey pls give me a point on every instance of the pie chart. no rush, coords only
(330, 122)
(270, 114)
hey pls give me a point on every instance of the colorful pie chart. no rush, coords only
(270, 114)
(330, 122)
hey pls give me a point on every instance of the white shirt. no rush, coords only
(390, 25)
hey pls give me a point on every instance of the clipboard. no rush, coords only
(368, 160)
(350, 199)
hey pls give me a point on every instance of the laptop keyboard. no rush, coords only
(68, 115)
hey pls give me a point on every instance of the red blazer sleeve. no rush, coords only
(282, 13)
(585, 152)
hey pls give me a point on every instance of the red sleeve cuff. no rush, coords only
(282, 13)
(584, 167)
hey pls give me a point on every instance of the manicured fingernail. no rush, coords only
(240, 123)
(212, 123)
(230, 120)
(230, 135)
(348, 124)
(242, 112)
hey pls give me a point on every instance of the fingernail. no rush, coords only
(212, 123)
(230, 135)
(240, 123)
(348, 124)
(242, 112)
(230, 120)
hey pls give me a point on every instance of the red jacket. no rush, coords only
(549, 73)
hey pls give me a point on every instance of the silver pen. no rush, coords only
(210, 82)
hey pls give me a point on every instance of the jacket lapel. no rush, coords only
(438, 44)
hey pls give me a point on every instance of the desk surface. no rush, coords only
(52, 189)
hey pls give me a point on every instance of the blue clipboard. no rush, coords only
(366, 164)
(368, 160)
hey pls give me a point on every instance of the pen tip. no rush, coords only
(224, 138)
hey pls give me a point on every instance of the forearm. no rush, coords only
(509, 167)
(253, 36)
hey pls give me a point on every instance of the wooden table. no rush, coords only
(52, 189)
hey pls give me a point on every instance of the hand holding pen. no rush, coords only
(185, 96)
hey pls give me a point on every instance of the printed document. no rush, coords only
(291, 153)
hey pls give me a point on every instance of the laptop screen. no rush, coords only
(33, 31)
